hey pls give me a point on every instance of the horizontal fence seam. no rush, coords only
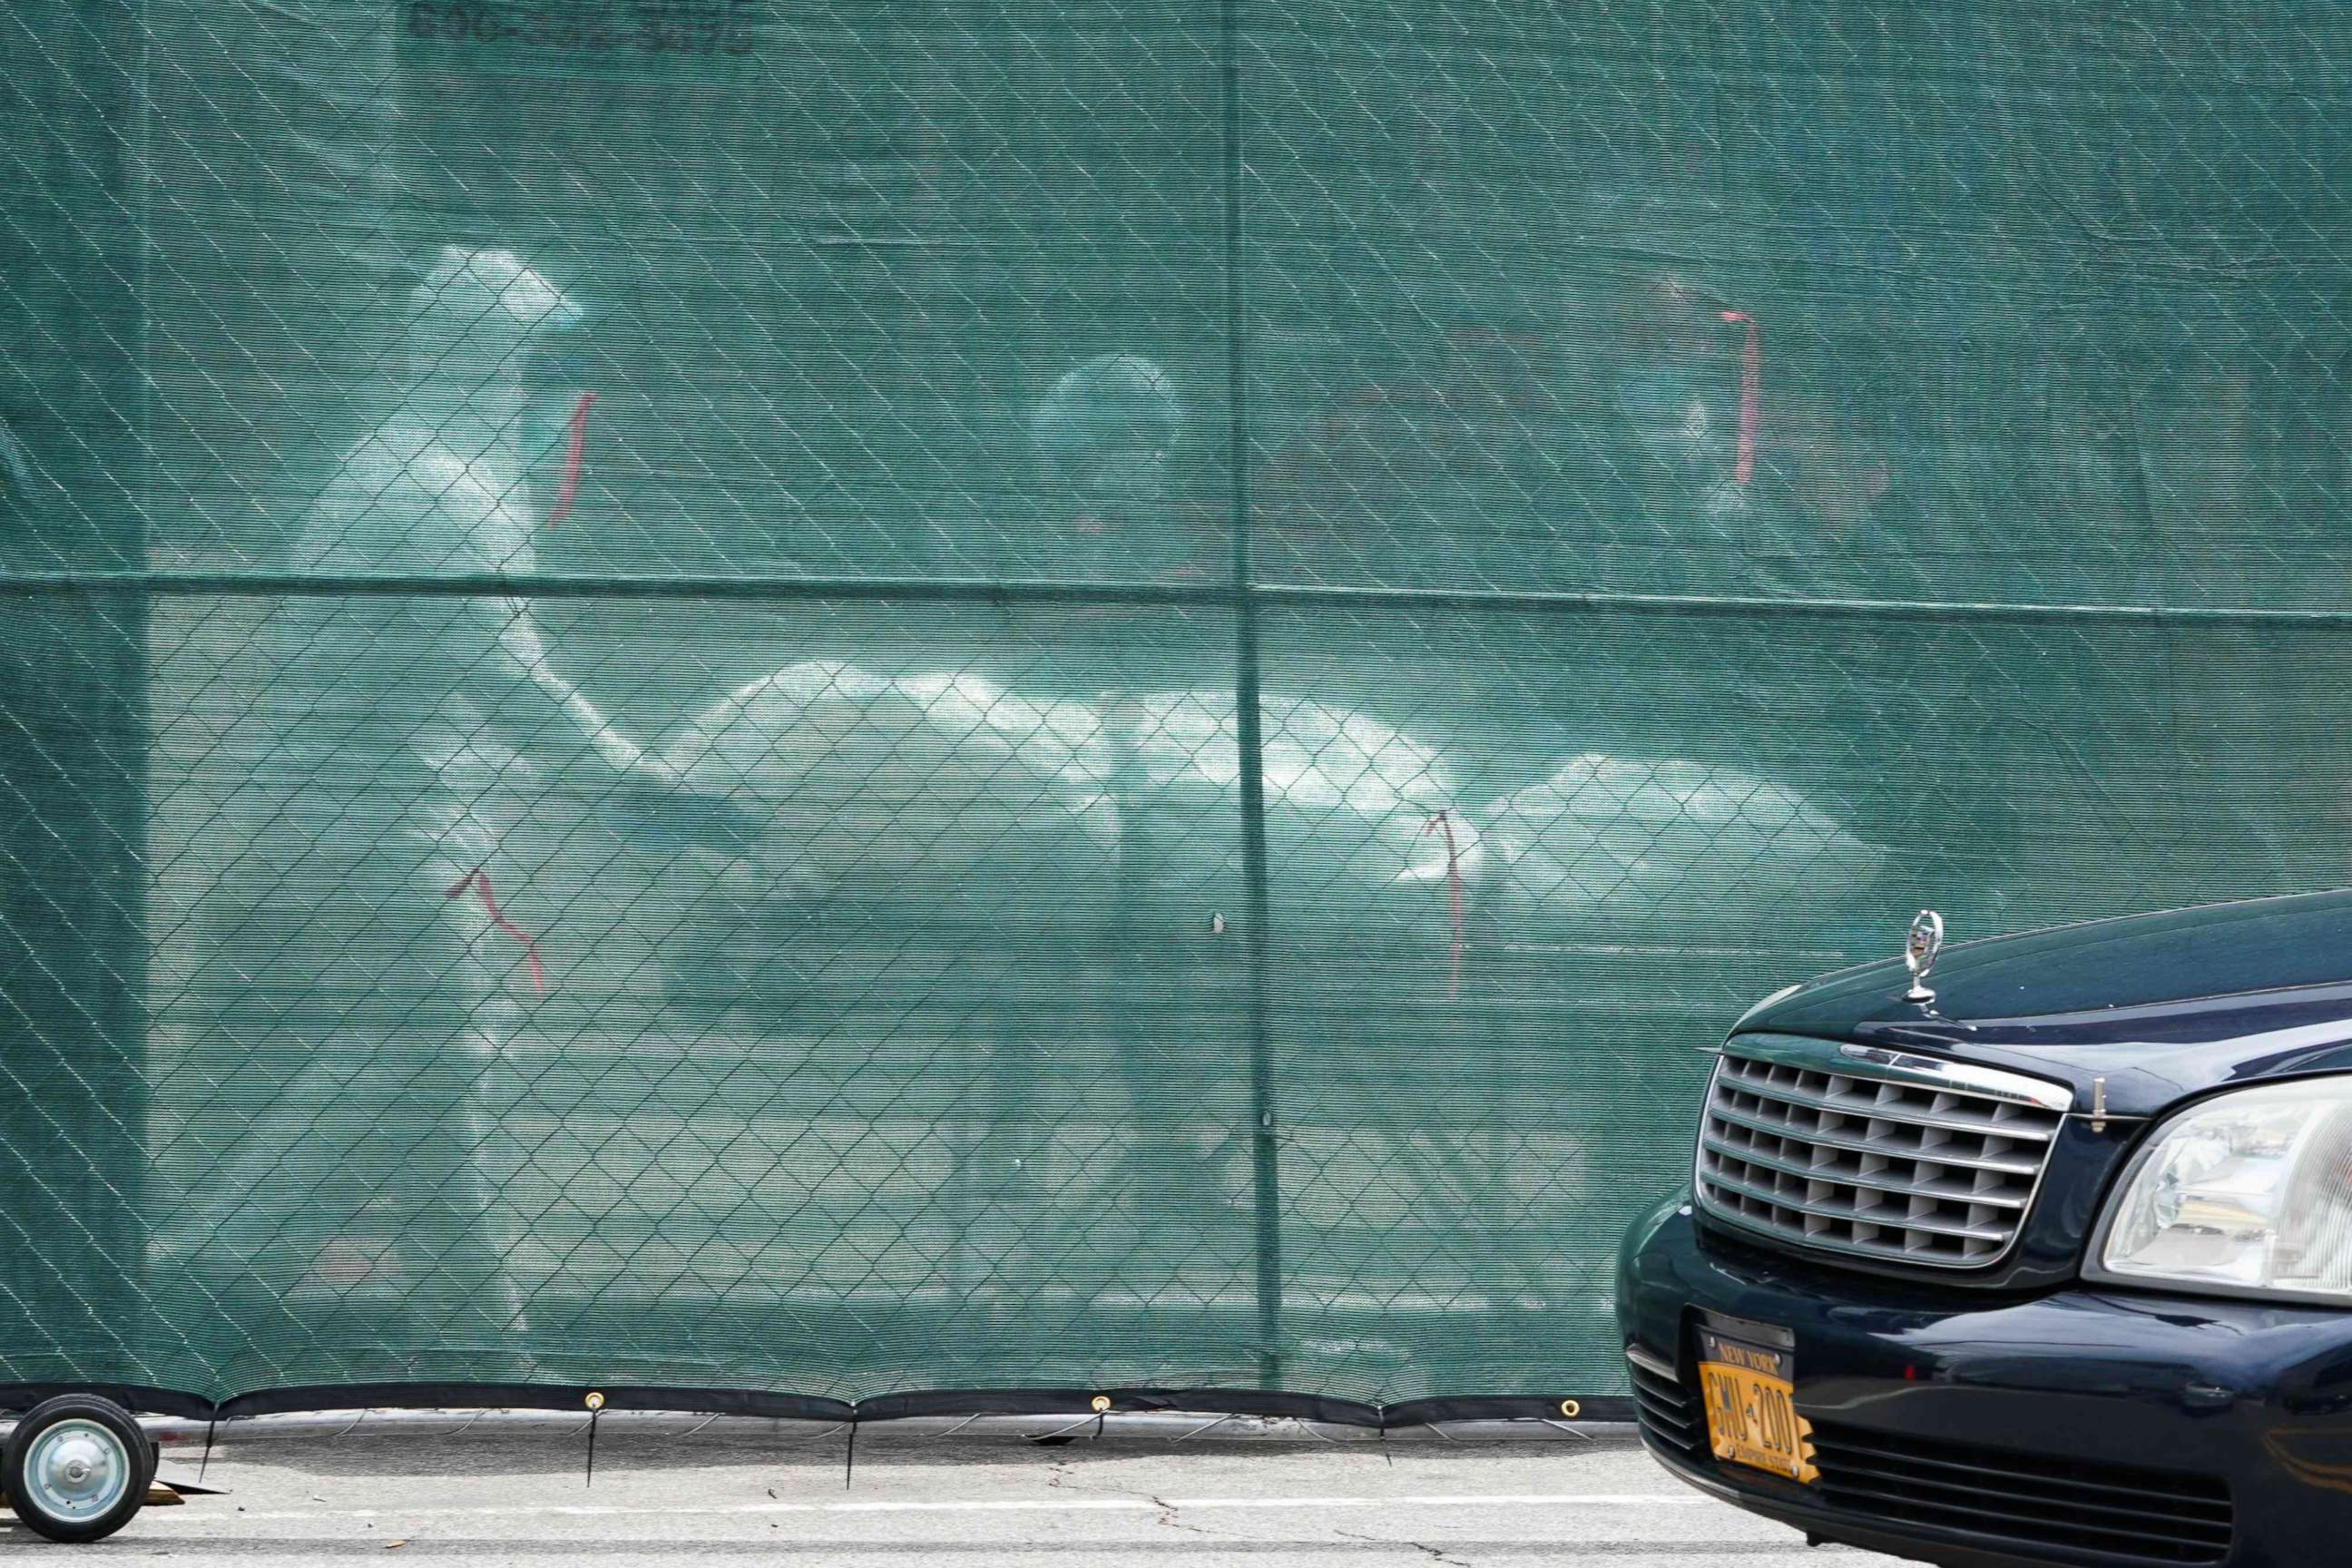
(965, 590)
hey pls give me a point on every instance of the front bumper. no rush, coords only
(2095, 1427)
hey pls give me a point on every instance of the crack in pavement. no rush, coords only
(1435, 1554)
(1168, 1517)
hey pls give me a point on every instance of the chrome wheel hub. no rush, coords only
(77, 1469)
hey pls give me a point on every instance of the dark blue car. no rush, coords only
(2038, 1253)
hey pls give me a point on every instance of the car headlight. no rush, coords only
(2249, 1194)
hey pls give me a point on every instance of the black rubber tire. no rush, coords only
(99, 1412)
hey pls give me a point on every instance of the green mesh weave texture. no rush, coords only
(836, 696)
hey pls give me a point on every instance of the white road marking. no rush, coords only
(1007, 1505)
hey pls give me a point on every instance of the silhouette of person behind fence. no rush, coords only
(415, 734)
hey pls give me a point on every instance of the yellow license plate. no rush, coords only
(1751, 1406)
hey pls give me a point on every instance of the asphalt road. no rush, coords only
(489, 1497)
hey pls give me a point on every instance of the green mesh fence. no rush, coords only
(832, 699)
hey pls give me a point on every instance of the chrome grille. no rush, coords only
(1881, 1153)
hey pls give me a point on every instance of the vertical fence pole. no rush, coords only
(1266, 1165)
(130, 1023)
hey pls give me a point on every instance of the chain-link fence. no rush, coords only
(841, 698)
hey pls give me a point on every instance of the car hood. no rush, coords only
(2159, 1005)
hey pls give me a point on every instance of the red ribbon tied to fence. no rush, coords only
(1751, 396)
(1442, 822)
(577, 449)
(480, 881)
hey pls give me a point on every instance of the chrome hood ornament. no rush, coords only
(1920, 951)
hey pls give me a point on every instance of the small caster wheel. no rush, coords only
(76, 1467)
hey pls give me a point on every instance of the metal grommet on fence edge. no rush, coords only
(595, 1403)
(1570, 1409)
(1099, 1403)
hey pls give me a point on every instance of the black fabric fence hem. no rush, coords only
(527, 1396)
(15, 1398)
(1077, 1402)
